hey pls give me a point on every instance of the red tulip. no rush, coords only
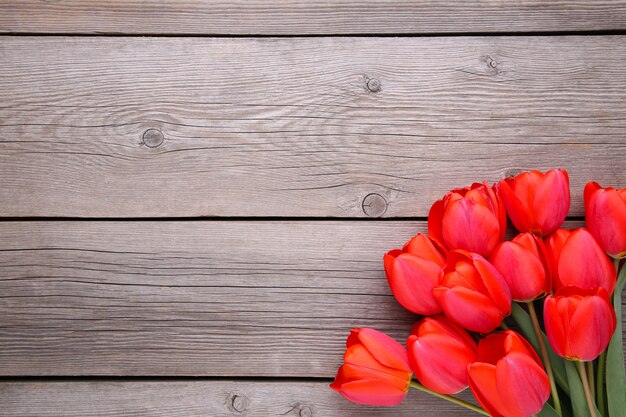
(414, 271)
(579, 323)
(473, 293)
(471, 218)
(376, 369)
(537, 202)
(605, 212)
(439, 352)
(580, 261)
(508, 379)
(525, 266)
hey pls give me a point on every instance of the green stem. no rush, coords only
(450, 398)
(600, 383)
(504, 325)
(585, 381)
(544, 355)
(592, 386)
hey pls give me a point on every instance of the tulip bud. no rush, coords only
(525, 266)
(537, 202)
(473, 293)
(579, 323)
(579, 261)
(508, 378)
(414, 271)
(471, 218)
(439, 352)
(605, 212)
(376, 369)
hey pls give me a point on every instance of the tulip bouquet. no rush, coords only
(532, 325)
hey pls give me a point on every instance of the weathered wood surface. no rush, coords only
(191, 298)
(299, 17)
(288, 127)
(201, 398)
(243, 298)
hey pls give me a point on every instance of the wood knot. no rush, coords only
(374, 205)
(373, 85)
(306, 412)
(514, 172)
(152, 138)
(492, 65)
(238, 403)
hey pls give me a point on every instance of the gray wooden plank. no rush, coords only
(297, 17)
(288, 127)
(242, 298)
(202, 398)
(191, 298)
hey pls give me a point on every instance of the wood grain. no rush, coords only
(237, 298)
(201, 399)
(288, 127)
(299, 17)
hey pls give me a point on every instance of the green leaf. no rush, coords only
(524, 322)
(522, 319)
(548, 411)
(615, 384)
(577, 392)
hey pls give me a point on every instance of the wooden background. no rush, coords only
(195, 197)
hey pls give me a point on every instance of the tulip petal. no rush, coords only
(517, 343)
(583, 263)
(491, 348)
(523, 271)
(470, 226)
(435, 220)
(516, 208)
(424, 247)
(555, 326)
(482, 381)
(439, 362)
(384, 349)
(590, 189)
(440, 324)
(412, 280)
(494, 283)
(496, 205)
(359, 363)
(372, 392)
(552, 200)
(591, 327)
(523, 383)
(470, 309)
(605, 211)
(350, 372)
